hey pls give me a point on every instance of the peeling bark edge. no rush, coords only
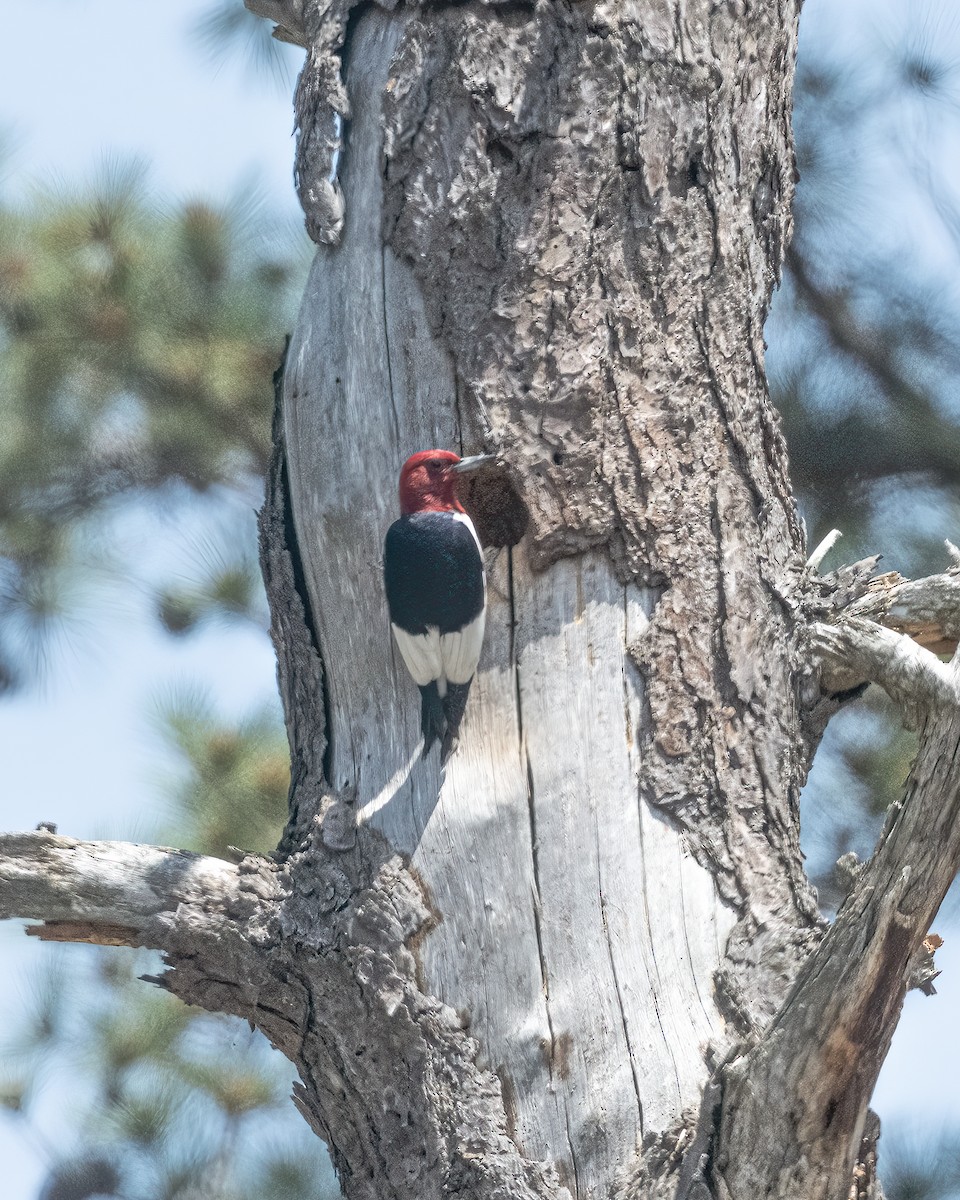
(300, 673)
(321, 109)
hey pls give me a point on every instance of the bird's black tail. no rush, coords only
(440, 717)
(432, 718)
(454, 704)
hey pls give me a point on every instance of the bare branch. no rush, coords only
(928, 610)
(107, 892)
(820, 1058)
(823, 549)
(818, 1062)
(855, 650)
(890, 633)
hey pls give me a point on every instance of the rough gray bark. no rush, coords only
(546, 251)
(585, 960)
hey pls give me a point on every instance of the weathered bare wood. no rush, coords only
(544, 862)
(857, 649)
(106, 885)
(928, 610)
(820, 1058)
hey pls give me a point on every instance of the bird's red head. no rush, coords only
(428, 482)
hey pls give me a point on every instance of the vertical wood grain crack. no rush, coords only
(544, 976)
(573, 1154)
(531, 810)
(686, 941)
(514, 665)
(616, 983)
(625, 665)
(385, 303)
(293, 629)
(659, 989)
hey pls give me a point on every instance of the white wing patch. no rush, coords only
(421, 653)
(460, 651)
(465, 520)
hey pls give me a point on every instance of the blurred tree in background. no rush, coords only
(138, 345)
(138, 342)
(864, 365)
(864, 358)
(176, 1104)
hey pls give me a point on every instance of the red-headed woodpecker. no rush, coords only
(436, 589)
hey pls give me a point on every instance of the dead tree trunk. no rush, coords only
(585, 960)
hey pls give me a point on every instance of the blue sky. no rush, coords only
(81, 83)
(108, 78)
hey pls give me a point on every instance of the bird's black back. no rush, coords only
(433, 572)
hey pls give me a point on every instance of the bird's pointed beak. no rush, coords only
(471, 464)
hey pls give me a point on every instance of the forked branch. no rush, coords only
(818, 1062)
(857, 650)
(927, 610)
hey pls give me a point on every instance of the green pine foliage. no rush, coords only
(218, 581)
(138, 341)
(231, 780)
(176, 1104)
(172, 1103)
(923, 1165)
